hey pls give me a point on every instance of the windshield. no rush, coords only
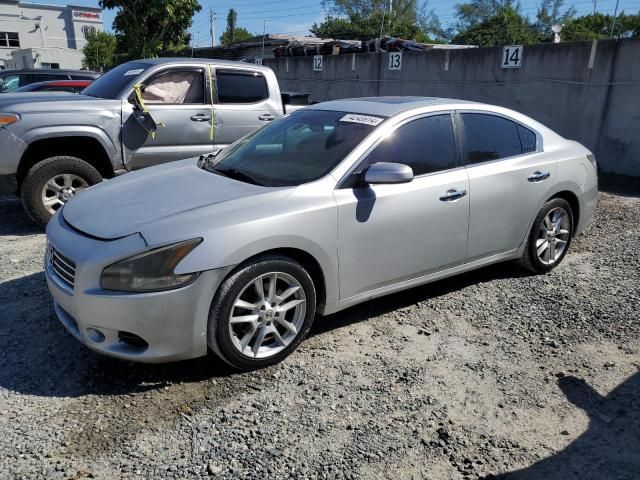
(297, 149)
(112, 83)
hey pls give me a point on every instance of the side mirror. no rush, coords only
(145, 120)
(383, 173)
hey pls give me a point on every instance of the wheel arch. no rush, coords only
(87, 148)
(308, 262)
(572, 199)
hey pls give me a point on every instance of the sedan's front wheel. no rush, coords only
(262, 312)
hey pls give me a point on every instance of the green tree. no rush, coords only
(475, 12)
(367, 19)
(239, 35)
(356, 27)
(233, 33)
(505, 28)
(99, 52)
(598, 26)
(550, 12)
(144, 28)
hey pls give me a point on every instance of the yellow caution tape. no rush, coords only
(137, 88)
(211, 99)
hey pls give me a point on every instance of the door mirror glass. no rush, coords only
(384, 173)
(145, 120)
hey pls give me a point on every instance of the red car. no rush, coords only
(72, 86)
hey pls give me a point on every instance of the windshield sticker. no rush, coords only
(134, 72)
(364, 119)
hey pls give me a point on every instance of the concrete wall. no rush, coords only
(586, 92)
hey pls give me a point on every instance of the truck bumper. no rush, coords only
(8, 184)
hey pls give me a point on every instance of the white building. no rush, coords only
(45, 36)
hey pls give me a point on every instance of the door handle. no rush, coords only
(200, 118)
(453, 194)
(538, 176)
(266, 117)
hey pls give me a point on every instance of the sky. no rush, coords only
(296, 17)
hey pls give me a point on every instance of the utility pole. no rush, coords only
(615, 15)
(264, 32)
(212, 20)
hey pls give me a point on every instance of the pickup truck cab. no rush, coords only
(55, 145)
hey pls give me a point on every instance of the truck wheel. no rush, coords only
(52, 182)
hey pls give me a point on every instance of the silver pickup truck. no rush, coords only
(141, 113)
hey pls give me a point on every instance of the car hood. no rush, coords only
(130, 203)
(48, 102)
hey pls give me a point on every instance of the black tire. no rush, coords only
(530, 259)
(218, 335)
(38, 176)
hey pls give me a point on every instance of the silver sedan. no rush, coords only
(331, 206)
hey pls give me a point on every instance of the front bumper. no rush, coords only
(147, 327)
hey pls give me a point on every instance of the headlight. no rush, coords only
(592, 159)
(8, 119)
(150, 271)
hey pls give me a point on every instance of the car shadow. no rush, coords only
(14, 220)
(609, 447)
(39, 357)
(405, 298)
(619, 185)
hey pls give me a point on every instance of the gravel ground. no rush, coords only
(493, 374)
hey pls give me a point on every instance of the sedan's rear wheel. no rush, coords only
(262, 312)
(550, 236)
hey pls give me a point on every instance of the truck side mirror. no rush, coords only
(144, 119)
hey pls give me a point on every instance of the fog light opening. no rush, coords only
(95, 335)
(132, 340)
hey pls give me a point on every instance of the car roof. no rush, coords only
(385, 106)
(62, 83)
(212, 61)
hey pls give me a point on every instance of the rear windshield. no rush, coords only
(299, 148)
(114, 82)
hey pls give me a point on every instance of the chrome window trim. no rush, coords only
(393, 127)
(539, 137)
(245, 71)
(152, 71)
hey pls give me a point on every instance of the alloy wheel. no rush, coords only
(553, 236)
(60, 189)
(267, 315)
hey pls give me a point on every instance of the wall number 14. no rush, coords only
(512, 56)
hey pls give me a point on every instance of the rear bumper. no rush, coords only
(147, 327)
(8, 184)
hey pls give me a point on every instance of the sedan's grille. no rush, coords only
(62, 266)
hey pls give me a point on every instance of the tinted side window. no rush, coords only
(427, 145)
(236, 86)
(527, 139)
(488, 137)
(78, 76)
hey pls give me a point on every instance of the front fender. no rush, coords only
(103, 137)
